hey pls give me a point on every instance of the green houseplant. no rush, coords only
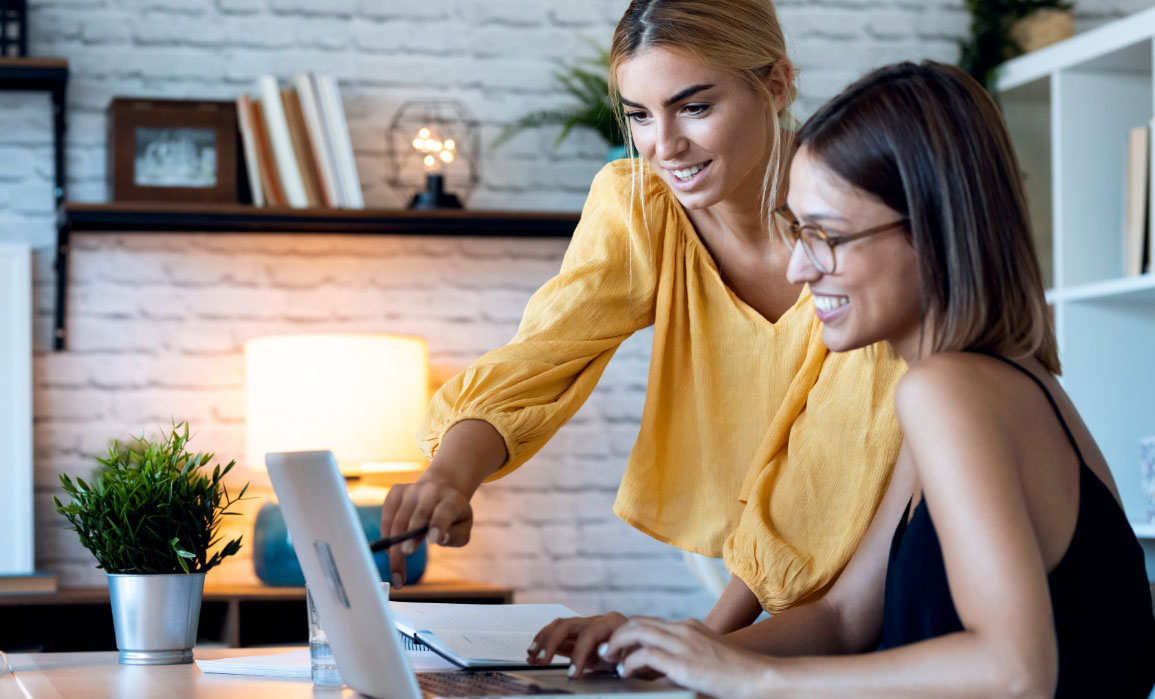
(992, 40)
(150, 516)
(587, 81)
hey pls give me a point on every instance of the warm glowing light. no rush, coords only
(423, 133)
(360, 396)
(450, 144)
(418, 144)
(430, 161)
(435, 146)
(446, 156)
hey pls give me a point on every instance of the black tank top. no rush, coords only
(1099, 591)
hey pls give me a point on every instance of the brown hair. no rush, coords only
(740, 36)
(929, 142)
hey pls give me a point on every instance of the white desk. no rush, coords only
(99, 676)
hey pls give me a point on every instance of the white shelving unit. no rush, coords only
(1070, 108)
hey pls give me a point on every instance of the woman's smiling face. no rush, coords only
(705, 131)
(873, 295)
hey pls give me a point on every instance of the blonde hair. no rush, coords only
(742, 37)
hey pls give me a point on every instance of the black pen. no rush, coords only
(383, 544)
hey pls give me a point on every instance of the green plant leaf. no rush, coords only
(147, 498)
(587, 82)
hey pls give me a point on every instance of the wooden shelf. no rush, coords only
(80, 619)
(33, 73)
(135, 217)
(236, 218)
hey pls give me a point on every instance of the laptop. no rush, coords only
(334, 555)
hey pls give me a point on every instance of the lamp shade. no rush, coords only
(360, 396)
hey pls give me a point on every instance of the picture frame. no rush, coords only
(163, 150)
(17, 555)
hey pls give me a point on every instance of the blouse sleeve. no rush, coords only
(571, 328)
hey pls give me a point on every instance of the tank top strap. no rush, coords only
(1047, 393)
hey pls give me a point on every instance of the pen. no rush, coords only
(384, 544)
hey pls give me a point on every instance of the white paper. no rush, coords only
(474, 647)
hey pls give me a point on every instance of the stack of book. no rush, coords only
(296, 144)
(1138, 194)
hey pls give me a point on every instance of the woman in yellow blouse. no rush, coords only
(756, 444)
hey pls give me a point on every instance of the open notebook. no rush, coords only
(477, 635)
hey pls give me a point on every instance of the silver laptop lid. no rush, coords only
(339, 570)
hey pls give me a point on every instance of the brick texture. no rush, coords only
(158, 322)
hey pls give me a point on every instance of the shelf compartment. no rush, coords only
(1093, 139)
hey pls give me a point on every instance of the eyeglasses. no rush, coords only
(817, 243)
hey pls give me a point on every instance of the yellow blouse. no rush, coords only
(755, 442)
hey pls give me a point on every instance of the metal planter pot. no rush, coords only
(156, 617)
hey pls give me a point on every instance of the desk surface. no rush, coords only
(100, 676)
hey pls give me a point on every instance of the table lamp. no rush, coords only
(361, 397)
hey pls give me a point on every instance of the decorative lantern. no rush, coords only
(434, 144)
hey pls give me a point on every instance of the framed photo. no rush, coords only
(16, 518)
(172, 150)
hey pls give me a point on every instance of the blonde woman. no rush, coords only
(755, 444)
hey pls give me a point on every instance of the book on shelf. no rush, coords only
(319, 138)
(302, 149)
(1148, 254)
(1135, 205)
(27, 583)
(266, 166)
(249, 148)
(297, 148)
(477, 635)
(277, 128)
(333, 114)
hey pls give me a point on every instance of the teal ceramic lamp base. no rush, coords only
(276, 563)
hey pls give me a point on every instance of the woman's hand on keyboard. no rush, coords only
(577, 638)
(687, 653)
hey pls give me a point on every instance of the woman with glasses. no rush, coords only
(1000, 562)
(755, 443)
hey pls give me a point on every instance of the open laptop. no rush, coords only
(339, 569)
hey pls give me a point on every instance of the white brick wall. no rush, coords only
(157, 323)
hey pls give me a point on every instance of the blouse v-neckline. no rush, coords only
(699, 246)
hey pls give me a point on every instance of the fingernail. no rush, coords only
(532, 648)
(621, 668)
(604, 649)
(444, 538)
(541, 654)
(408, 547)
(434, 536)
(572, 670)
(398, 581)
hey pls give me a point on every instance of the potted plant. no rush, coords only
(150, 517)
(587, 81)
(1003, 29)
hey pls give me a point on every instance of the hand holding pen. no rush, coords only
(384, 544)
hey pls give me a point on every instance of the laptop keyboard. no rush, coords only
(477, 684)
